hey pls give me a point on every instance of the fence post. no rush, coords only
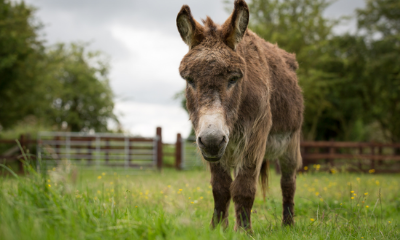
(38, 152)
(303, 151)
(108, 148)
(159, 148)
(22, 142)
(89, 148)
(68, 147)
(58, 150)
(178, 152)
(360, 151)
(372, 154)
(126, 151)
(98, 142)
(331, 153)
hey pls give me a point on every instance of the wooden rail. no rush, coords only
(84, 147)
(359, 156)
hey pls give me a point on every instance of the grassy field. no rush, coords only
(71, 203)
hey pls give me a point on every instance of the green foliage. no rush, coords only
(81, 95)
(62, 86)
(21, 55)
(381, 23)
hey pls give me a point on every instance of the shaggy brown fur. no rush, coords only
(254, 82)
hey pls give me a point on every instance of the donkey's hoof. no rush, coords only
(224, 223)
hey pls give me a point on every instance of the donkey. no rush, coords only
(244, 103)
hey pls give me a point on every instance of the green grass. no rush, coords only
(70, 203)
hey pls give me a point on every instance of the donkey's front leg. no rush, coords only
(243, 192)
(220, 181)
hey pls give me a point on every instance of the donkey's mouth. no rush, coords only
(212, 159)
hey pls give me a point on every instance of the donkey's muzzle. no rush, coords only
(212, 146)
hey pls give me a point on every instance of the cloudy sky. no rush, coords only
(145, 51)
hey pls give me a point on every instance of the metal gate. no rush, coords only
(99, 149)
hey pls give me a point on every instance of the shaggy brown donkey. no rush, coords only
(244, 103)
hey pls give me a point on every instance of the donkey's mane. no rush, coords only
(210, 28)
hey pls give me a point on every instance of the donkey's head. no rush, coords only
(214, 73)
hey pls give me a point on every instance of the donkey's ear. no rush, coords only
(235, 26)
(190, 30)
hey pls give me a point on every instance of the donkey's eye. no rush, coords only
(190, 81)
(232, 81)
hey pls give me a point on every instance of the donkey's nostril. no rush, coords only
(223, 141)
(200, 142)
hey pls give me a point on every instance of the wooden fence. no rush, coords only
(139, 152)
(113, 150)
(352, 156)
(13, 154)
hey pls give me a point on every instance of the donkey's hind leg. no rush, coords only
(290, 161)
(221, 182)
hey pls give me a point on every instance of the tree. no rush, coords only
(379, 26)
(81, 98)
(21, 54)
(61, 85)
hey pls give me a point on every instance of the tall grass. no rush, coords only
(66, 202)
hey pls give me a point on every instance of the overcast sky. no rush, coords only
(145, 51)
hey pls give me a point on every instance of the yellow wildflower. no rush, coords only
(367, 206)
(306, 168)
(312, 219)
(49, 185)
(352, 198)
(99, 177)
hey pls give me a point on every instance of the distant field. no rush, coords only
(70, 203)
